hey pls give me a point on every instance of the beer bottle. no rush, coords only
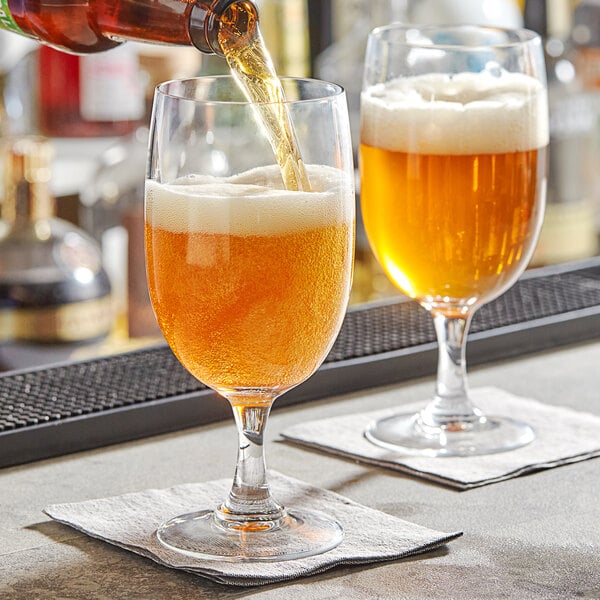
(91, 26)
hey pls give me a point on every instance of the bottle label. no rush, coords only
(74, 322)
(6, 18)
(110, 86)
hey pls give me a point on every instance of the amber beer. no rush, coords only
(452, 190)
(250, 285)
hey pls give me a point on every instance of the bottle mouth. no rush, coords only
(208, 19)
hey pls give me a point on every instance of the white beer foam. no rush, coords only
(466, 113)
(251, 203)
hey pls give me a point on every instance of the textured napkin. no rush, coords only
(562, 436)
(130, 521)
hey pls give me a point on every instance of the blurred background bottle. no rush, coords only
(586, 46)
(285, 27)
(55, 297)
(569, 230)
(112, 211)
(586, 40)
(89, 96)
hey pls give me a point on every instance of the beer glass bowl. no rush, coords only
(454, 132)
(249, 281)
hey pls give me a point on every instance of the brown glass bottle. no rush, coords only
(90, 26)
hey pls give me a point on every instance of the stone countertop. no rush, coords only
(536, 536)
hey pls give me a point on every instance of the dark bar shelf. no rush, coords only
(77, 406)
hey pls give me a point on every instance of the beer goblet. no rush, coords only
(249, 282)
(454, 132)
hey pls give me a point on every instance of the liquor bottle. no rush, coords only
(95, 95)
(568, 232)
(586, 39)
(112, 211)
(586, 43)
(92, 26)
(284, 25)
(54, 294)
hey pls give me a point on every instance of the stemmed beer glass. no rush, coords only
(454, 132)
(249, 281)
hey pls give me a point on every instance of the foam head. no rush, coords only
(467, 113)
(251, 203)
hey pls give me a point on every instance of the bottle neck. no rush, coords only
(209, 19)
(27, 202)
(26, 174)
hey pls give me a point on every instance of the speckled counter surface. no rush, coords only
(536, 536)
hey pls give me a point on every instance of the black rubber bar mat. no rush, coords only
(70, 407)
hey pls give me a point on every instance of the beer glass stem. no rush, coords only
(451, 408)
(250, 503)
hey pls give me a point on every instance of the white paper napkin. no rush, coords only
(130, 521)
(562, 436)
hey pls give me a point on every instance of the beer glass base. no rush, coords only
(486, 435)
(296, 535)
